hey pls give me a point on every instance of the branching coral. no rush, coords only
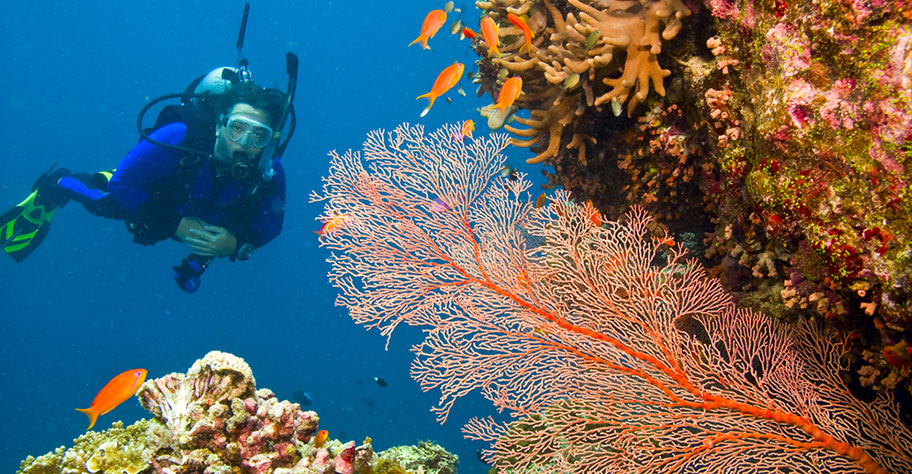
(584, 57)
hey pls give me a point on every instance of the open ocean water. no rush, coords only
(90, 304)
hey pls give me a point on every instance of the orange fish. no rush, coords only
(117, 391)
(491, 35)
(467, 128)
(445, 81)
(320, 438)
(509, 91)
(523, 279)
(527, 33)
(469, 33)
(330, 225)
(898, 355)
(595, 218)
(432, 22)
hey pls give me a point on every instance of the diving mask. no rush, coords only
(248, 132)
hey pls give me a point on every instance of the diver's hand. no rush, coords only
(210, 241)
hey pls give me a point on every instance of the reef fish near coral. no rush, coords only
(320, 438)
(491, 35)
(115, 392)
(444, 82)
(509, 92)
(432, 22)
(528, 35)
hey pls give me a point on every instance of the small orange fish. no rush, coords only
(331, 225)
(469, 33)
(667, 241)
(320, 438)
(491, 35)
(432, 22)
(117, 391)
(898, 355)
(527, 32)
(523, 279)
(509, 92)
(467, 128)
(445, 81)
(594, 216)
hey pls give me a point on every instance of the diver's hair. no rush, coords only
(270, 101)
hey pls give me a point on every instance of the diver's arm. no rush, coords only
(151, 216)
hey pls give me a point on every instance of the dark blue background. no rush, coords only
(90, 303)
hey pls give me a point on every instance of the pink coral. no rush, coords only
(216, 409)
(788, 48)
(344, 458)
(840, 110)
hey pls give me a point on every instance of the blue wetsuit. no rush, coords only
(151, 192)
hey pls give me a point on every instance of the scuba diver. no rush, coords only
(206, 174)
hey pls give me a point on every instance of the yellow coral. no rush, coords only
(574, 65)
(116, 450)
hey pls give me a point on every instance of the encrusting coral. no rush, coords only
(429, 457)
(217, 419)
(575, 66)
(117, 450)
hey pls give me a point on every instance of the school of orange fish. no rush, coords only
(449, 78)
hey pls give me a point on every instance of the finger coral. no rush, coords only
(586, 54)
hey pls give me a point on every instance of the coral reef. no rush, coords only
(783, 139)
(117, 450)
(814, 186)
(217, 419)
(574, 68)
(212, 419)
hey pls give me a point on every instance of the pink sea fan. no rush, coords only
(611, 350)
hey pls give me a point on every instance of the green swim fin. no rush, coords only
(24, 226)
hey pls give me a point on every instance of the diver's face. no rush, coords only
(243, 145)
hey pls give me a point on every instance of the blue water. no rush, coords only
(90, 304)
